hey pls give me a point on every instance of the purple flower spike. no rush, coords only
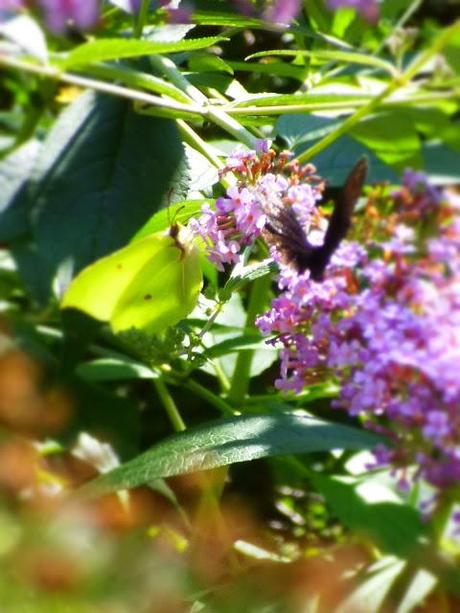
(60, 13)
(385, 323)
(282, 11)
(263, 182)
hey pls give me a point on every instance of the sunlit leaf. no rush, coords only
(234, 440)
(115, 48)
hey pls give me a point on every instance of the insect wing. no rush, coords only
(97, 288)
(150, 284)
(174, 282)
(340, 221)
(284, 231)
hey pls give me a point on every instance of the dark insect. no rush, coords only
(284, 231)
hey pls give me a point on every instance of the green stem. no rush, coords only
(441, 520)
(207, 326)
(412, 70)
(193, 139)
(310, 107)
(221, 375)
(347, 125)
(210, 397)
(136, 80)
(101, 86)
(242, 373)
(411, 9)
(169, 405)
(217, 116)
(142, 18)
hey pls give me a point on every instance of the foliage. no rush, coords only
(192, 418)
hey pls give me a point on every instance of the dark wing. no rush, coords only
(284, 231)
(340, 221)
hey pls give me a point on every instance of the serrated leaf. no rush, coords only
(230, 441)
(105, 49)
(229, 20)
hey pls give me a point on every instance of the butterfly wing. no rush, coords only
(340, 221)
(149, 284)
(284, 231)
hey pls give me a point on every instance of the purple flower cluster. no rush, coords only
(260, 182)
(275, 11)
(59, 14)
(385, 324)
(367, 8)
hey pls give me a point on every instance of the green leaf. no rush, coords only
(101, 173)
(229, 324)
(398, 146)
(14, 176)
(280, 69)
(105, 49)
(113, 369)
(203, 174)
(149, 285)
(229, 441)
(232, 345)
(201, 62)
(331, 56)
(452, 54)
(242, 275)
(314, 101)
(394, 526)
(442, 164)
(391, 9)
(333, 163)
(369, 508)
(300, 128)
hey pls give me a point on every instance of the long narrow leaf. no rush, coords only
(230, 441)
